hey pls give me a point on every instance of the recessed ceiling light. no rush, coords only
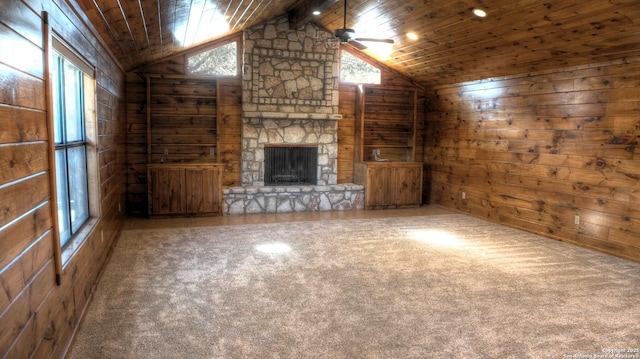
(412, 35)
(479, 12)
(316, 13)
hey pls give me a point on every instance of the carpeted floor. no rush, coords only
(446, 286)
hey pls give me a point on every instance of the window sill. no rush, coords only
(77, 240)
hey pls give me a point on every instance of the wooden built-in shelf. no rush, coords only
(385, 120)
(182, 118)
(182, 145)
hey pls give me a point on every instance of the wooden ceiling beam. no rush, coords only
(302, 13)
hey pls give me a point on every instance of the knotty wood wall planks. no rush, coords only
(230, 136)
(38, 317)
(534, 151)
(136, 142)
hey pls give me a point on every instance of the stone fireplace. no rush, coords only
(260, 133)
(290, 98)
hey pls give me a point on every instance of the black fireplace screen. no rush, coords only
(290, 165)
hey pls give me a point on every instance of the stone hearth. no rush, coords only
(281, 199)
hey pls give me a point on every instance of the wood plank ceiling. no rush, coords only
(453, 45)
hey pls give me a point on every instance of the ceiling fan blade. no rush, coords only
(386, 41)
(357, 44)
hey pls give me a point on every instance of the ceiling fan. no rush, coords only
(346, 35)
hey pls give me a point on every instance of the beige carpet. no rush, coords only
(446, 286)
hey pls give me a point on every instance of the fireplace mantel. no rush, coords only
(292, 116)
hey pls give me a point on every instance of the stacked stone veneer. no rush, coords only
(290, 97)
(258, 133)
(290, 73)
(281, 199)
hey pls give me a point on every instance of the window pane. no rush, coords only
(68, 93)
(354, 70)
(63, 197)
(78, 196)
(220, 61)
(57, 99)
(73, 102)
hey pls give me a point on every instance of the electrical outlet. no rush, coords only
(166, 151)
(577, 220)
(464, 195)
(212, 151)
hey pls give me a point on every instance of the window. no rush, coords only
(72, 89)
(218, 61)
(355, 70)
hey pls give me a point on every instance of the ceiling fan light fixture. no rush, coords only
(479, 12)
(316, 12)
(412, 36)
(344, 34)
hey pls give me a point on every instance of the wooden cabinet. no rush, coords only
(203, 190)
(385, 121)
(182, 146)
(390, 184)
(185, 189)
(166, 190)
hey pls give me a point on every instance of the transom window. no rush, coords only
(355, 70)
(218, 61)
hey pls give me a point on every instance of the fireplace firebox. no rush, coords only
(290, 165)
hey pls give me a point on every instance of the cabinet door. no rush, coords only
(379, 189)
(408, 182)
(167, 191)
(203, 190)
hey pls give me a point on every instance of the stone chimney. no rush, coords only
(290, 74)
(290, 95)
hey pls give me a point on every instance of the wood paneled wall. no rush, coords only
(229, 105)
(38, 317)
(230, 115)
(536, 150)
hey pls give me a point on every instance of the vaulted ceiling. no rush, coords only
(516, 36)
